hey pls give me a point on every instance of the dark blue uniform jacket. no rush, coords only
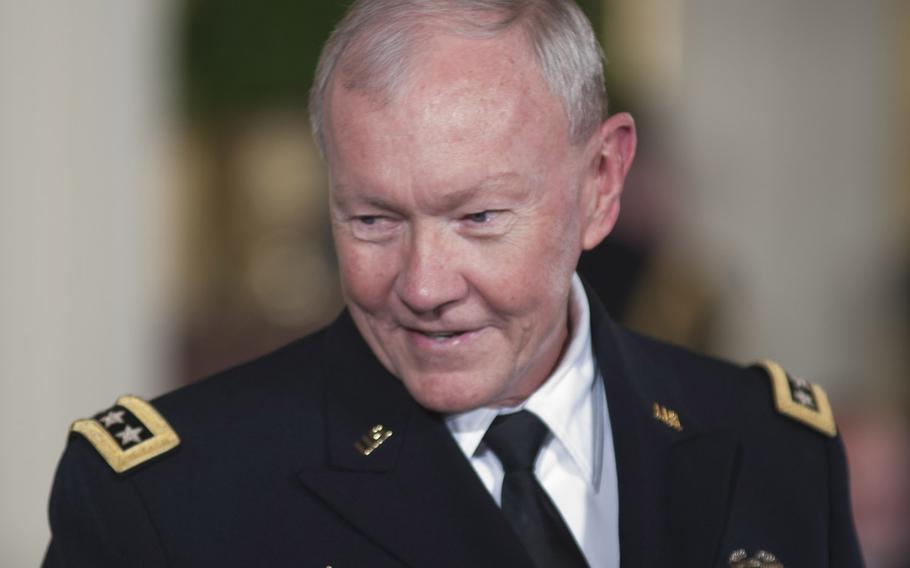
(267, 473)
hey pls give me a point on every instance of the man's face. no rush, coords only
(458, 212)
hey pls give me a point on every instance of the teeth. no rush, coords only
(445, 335)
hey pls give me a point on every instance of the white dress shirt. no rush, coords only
(576, 465)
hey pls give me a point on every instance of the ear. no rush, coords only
(610, 153)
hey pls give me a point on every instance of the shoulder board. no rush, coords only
(799, 399)
(128, 434)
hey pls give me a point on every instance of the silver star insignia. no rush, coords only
(803, 398)
(129, 435)
(111, 418)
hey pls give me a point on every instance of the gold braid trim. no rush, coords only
(821, 419)
(163, 437)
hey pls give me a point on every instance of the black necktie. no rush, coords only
(516, 439)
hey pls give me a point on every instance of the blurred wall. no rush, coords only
(790, 122)
(786, 117)
(85, 235)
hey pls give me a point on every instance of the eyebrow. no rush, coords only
(458, 197)
(448, 201)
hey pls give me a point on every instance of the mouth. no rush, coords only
(439, 335)
(438, 339)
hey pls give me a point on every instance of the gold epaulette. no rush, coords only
(128, 434)
(799, 399)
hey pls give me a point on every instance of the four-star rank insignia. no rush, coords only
(128, 434)
(799, 399)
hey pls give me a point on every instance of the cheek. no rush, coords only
(561, 235)
(548, 263)
(555, 238)
(524, 276)
(367, 274)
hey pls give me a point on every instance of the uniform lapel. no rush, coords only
(418, 497)
(415, 494)
(674, 486)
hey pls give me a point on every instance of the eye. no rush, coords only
(373, 227)
(481, 217)
(367, 219)
(487, 223)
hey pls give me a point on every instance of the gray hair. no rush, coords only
(371, 49)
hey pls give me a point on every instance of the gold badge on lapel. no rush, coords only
(669, 417)
(368, 443)
(763, 559)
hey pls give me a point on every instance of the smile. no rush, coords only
(436, 340)
(441, 335)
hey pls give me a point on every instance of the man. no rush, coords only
(474, 405)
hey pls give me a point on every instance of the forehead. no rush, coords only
(479, 104)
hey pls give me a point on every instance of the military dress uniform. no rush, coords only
(315, 455)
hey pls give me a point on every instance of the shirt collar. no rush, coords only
(565, 401)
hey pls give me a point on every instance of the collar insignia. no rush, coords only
(128, 434)
(368, 443)
(799, 399)
(669, 417)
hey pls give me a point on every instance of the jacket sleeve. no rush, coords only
(97, 516)
(844, 551)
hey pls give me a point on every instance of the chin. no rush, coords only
(446, 394)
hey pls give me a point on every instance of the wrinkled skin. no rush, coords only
(459, 209)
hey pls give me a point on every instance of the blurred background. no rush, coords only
(162, 209)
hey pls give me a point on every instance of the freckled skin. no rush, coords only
(474, 130)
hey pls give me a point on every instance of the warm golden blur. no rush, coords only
(163, 209)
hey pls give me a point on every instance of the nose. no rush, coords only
(430, 278)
